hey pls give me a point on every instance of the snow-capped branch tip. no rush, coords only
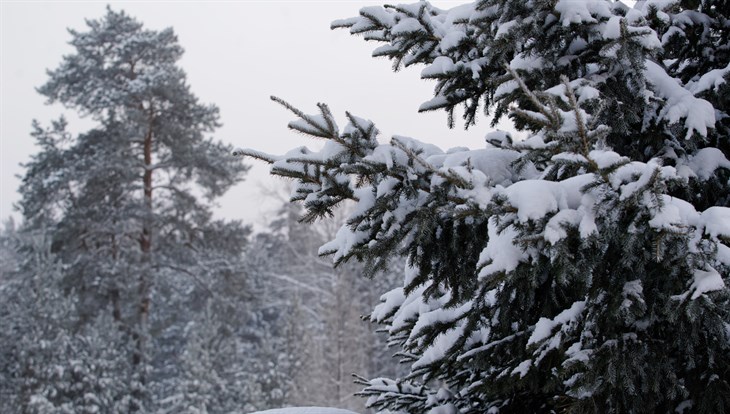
(286, 105)
(322, 125)
(246, 152)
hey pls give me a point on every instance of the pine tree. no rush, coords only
(582, 269)
(128, 203)
(52, 364)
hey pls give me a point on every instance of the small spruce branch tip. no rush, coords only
(247, 152)
(330, 132)
(587, 135)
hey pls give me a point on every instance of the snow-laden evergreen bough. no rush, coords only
(582, 269)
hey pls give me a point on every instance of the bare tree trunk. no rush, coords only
(340, 332)
(139, 359)
(146, 241)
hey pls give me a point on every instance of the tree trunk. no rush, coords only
(340, 333)
(139, 359)
(146, 244)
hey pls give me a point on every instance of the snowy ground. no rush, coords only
(306, 410)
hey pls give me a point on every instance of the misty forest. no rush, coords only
(576, 263)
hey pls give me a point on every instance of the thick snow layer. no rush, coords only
(703, 164)
(440, 346)
(706, 281)
(717, 221)
(605, 159)
(523, 368)
(612, 30)
(533, 199)
(544, 326)
(505, 88)
(501, 254)
(439, 101)
(680, 103)
(389, 302)
(441, 66)
(412, 306)
(452, 39)
(405, 26)
(527, 62)
(555, 231)
(709, 81)
(582, 11)
(671, 216)
(723, 254)
(439, 315)
(658, 4)
(493, 162)
(306, 410)
(625, 177)
(378, 14)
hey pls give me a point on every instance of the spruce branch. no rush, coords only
(578, 116)
(550, 112)
(449, 176)
(329, 119)
(247, 152)
(583, 132)
(318, 130)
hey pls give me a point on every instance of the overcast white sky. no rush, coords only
(237, 54)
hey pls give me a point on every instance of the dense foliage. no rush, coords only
(582, 269)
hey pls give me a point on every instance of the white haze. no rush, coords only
(237, 54)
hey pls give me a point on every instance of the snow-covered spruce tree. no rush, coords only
(583, 269)
(127, 204)
(50, 363)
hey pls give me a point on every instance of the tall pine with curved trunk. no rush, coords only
(128, 202)
(583, 269)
